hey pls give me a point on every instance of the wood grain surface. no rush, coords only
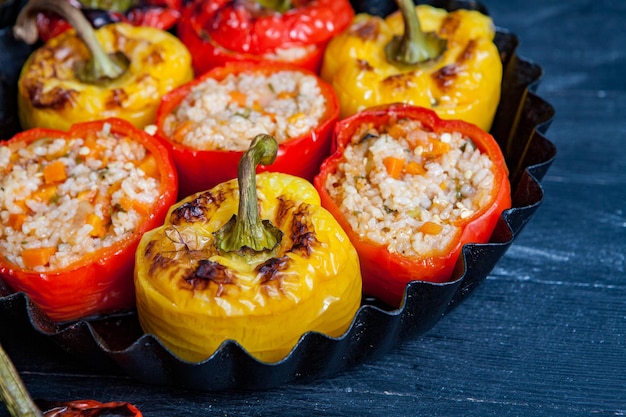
(544, 335)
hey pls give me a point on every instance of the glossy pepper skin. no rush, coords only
(200, 170)
(91, 408)
(50, 95)
(221, 31)
(462, 83)
(386, 274)
(101, 281)
(193, 295)
(160, 14)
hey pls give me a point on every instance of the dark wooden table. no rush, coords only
(545, 334)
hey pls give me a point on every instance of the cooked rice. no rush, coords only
(100, 179)
(289, 54)
(227, 114)
(453, 186)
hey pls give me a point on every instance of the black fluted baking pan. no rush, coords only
(117, 344)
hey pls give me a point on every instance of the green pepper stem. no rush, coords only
(14, 393)
(247, 232)
(414, 46)
(110, 5)
(100, 68)
(279, 6)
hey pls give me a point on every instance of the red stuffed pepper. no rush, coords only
(221, 31)
(160, 14)
(207, 123)
(73, 207)
(411, 189)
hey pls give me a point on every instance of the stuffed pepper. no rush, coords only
(411, 189)
(160, 14)
(73, 206)
(118, 70)
(422, 56)
(256, 260)
(207, 123)
(221, 31)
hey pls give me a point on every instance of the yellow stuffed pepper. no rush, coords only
(420, 55)
(215, 271)
(118, 70)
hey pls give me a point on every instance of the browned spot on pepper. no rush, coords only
(302, 232)
(269, 270)
(155, 57)
(368, 30)
(364, 65)
(195, 209)
(449, 25)
(116, 99)
(120, 41)
(446, 76)
(398, 82)
(468, 52)
(160, 263)
(282, 210)
(150, 251)
(56, 99)
(207, 272)
(204, 35)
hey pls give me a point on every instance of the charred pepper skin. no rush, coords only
(51, 96)
(462, 83)
(193, 298)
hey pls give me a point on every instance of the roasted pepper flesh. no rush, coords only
(464, 82)
(193, 294)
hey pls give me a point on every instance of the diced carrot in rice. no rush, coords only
(431, 228)
(16, 220)
(149, 166)
(132, 204)
(99, 229)
(394, 166)
(54, 172)
(34, 257)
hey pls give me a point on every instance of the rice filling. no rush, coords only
(70, 197)
(226, 114)
(409, 188)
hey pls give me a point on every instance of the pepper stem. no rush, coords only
(14, 393)
(279, 6)
(245, 233)
(100, 68)
(414, 46)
